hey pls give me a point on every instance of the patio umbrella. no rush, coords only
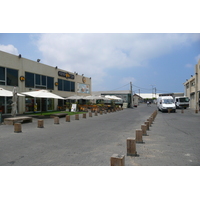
(14, 102)
(42, 94)
(7, 93)
(75, 97)
(94, 97)
(112, 97)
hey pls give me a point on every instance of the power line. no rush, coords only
(120, 87)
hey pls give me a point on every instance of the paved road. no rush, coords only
(173, 140)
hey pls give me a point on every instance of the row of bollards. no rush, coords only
(40, 124)
(119, 160)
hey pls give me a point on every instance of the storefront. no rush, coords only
(27, 75)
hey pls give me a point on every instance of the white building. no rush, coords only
(192, 88)
(28, 75)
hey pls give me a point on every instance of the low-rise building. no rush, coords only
(192, 88)
(28, 75)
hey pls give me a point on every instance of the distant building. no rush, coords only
(144, 97)
(192, 88)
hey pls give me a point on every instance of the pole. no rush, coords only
(131, 105)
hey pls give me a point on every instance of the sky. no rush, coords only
(113, 60)
(114, 43)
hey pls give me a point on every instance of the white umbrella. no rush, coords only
(14, 102)
(7, 93)
(42, 94)
(112, 97)
(75, 97)
(94, 97)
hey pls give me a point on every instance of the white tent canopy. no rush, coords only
(75, 97)
(112, 97)
(7, 93)
(42, 94)
(94, 97)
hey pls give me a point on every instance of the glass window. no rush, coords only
(12, 77)
(66, 85)
(29, 79)
(50, 84)
(44, 80)
(72, 86)
(60, 84)
(2, 75)
(29, 104)
(2, 104)
(37, 79)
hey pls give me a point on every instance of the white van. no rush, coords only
(164, 103)
(182, 102)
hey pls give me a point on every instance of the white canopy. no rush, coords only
(112, 97)
(75, 97)
(42, 94)
(94, 97)
(7, 93)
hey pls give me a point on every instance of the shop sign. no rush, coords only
(84, 79)
(22, 78)
(66, 75)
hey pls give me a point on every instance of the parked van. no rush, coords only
(164, 103)
(182, 102)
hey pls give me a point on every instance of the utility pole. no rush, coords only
(131, 105)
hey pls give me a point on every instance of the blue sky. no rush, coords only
(113, 42)
(113, 60)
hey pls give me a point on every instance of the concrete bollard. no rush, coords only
(138, 136)
(131, 147)
(77, 117)
(109, 111)
(96, 114)
(40, 123)
(182, 111)
(84, 115)
(117, 160)
(105, 112)
(147, 124)
(101, 112)
(144, 129)
(17, 128)
(56, 120)
(67, 118)
(90, 114)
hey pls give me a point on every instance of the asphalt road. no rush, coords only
(173, 140)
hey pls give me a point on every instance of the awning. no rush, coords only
(42, 94)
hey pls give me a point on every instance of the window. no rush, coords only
(65, 85)
(12, 77)
(2, 76)
(8, 76)
(41, 81)
(50, 84)
(38, 81)
(72, 86)
(29, 79)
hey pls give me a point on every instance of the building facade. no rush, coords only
(28, 75)
(192, 88)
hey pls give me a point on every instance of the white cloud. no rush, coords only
(189, 65)
(9, 49)
(96, 54)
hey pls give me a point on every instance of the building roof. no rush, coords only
(148, 95)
